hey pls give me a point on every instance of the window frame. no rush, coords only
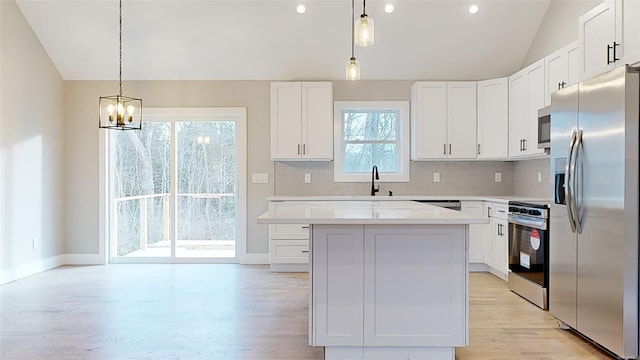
(402, 131)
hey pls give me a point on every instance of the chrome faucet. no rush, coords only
(374, 177)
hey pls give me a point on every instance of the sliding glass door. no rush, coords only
(177, 187)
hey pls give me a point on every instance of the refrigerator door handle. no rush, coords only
(567, 184)
(577, 175)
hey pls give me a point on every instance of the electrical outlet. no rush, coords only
(436, 177)
(539, 176)
(498, 177)
(307, 178)
(260, 178)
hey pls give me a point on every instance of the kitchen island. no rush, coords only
(388, 280)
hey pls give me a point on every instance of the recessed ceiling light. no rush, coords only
(388, 8)
(473, 9)
(301, 9)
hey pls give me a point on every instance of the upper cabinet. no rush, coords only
(562, 69)
(526, 97)
(443, 120)
(609, 36)
(301, 121)
(493, 119)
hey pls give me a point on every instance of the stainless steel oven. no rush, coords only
(528, 251)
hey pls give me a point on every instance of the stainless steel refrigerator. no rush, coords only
(593, 254)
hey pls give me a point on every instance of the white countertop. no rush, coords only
(364, 212)
(496, 199)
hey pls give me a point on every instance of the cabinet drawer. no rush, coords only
(499, 211)
(289, 251)
(472, 207)
(289, 231)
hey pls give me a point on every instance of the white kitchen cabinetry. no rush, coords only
(609, 35)
(493, 119)
(476, 231)
(301, 121)
(526, 97)
(288, 246)
(443, 120)
(496, 245)
(400, 286)
(562, 69)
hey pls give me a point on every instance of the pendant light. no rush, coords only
(353, 66)
(365, 34)
(117, 111)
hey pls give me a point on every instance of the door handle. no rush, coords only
(304, 149)
(478, 149)
(449, 149)
(568, 173)
(574, 186)
(445, 149)
(298, 149)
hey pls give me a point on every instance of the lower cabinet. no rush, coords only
(496, 241)
(388, 286)
(476, 231)
(289, 247)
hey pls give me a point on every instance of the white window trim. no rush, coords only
(338, 140)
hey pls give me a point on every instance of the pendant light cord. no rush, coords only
(364, 7)
(353, 25)
(120, 39)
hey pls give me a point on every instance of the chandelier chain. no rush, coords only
(353, 25)
(120, 40)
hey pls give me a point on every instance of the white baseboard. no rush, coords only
(255, 259)
(30, 268)
(84, 259)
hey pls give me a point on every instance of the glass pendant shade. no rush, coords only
(365, 33)
(120, 112)
(353, 69)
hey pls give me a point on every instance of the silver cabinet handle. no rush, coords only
(449, 149)
(524, 144)
(305, 251)
(478, 149)
(304, 227)
(298, 149)
(304, 149)
(445, 149)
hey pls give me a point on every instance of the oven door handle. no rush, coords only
(534, 223)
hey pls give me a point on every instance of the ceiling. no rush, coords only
(269, 40)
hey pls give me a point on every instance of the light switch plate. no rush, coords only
(498, 177)
(539, 176)
(307, 178)
(260, 178)
(436, 177)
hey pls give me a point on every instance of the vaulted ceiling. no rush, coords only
(269, 40)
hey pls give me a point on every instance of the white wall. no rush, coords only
(559, 28)
(31, 151)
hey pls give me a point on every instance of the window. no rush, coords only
(371, 133)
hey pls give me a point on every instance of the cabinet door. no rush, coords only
(488, 235)
(429, 120)
(286, 125)
(476, 231)
(337, 311)
(535, 88)
(596, 30)
(317, 120)
(493, 119)
(557, 73)
(628, 24)
(461, 120)
(501, 246)
(574, 56)
(415, 285)
(516, 113)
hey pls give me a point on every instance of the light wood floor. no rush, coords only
(227, 312)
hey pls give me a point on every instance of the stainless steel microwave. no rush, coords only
(544, 128)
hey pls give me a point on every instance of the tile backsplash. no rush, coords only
(526, 178)
(456, 178)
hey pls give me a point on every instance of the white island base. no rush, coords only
(389, 292)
